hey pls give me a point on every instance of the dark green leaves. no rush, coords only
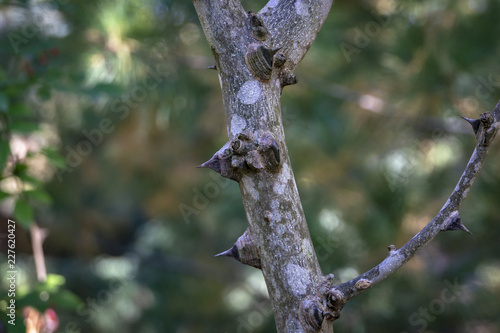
(23, 213)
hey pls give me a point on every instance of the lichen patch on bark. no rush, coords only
(298, 278)
(238, 125)
(249, 92)
(250, 187)
(301, 9)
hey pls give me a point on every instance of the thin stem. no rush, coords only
(38, 236)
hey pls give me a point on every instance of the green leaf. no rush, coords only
(4, 102)
(4, 153)
(23, 126)
(54, 281)
(107, 89)
(54, 157)
(20, 170)
(65, 299)
(20, 109)
(4, 195)
(62, 298)
(23, 213)
(40, 196)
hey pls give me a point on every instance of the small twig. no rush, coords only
(38, 235)
(448, 217)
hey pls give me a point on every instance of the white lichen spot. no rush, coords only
(301, 8)
(298, 278)
(238, 124)
(249, 92)
(279, 188)
(285, 174)
(307, 248)
(250, 187)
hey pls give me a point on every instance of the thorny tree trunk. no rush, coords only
(253, 116)
(255, 55)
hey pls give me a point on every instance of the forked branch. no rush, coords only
(448, 217)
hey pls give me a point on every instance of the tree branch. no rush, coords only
(448, 217)
(294, 25)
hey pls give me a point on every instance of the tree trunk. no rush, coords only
(254, 125)
(255, 55)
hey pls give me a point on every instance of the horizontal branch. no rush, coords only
(448, 217)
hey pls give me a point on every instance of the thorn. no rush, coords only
(212, 163)
(214, 67)
(474, 123)
(276, 151)
(232, 252)
(456, 223)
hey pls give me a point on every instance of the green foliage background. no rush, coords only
(106, 108)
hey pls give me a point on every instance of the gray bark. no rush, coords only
(252, 109)
(256, 156)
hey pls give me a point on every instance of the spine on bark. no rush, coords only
(244, 250)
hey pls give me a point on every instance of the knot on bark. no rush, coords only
(262, 153)
(485, 128)
(259, 31)
(246, 154)
(314, 309)
(311, 313)
(335, 301)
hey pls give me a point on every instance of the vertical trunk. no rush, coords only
(258, 154)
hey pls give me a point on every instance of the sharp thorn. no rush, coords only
(226, 253)
(456, 224)
(232, 252)
(214, 67)
(474, 123)
(464, 228)
(213, 164)
(274, 51)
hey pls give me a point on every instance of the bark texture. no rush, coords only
(253, 116)
(255, 56)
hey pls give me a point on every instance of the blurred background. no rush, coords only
(106, 108)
